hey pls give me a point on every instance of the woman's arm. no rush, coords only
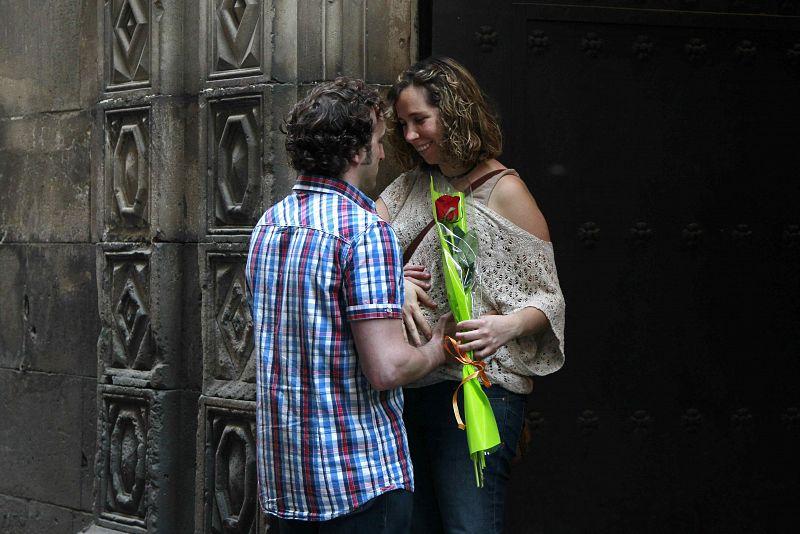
(511, 199)
(488, 333)
(484, 335)
(382, 210)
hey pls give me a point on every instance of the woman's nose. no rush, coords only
(410, 134)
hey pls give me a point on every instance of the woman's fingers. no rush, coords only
(411, 327)
(417, 274)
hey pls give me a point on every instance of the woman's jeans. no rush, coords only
(446, 498)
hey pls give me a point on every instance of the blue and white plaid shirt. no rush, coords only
(327, 441)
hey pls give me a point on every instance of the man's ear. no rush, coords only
(358, 157)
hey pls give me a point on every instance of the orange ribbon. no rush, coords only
(452, 349)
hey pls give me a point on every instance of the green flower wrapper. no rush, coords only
(459, 252)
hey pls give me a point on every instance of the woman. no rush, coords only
(443, 127)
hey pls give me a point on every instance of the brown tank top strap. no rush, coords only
(488, 182)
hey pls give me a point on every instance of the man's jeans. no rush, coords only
(389, 513)
(446, 498)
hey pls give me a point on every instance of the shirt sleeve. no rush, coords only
(373, 279)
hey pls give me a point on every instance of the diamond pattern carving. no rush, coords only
(130, 41)
(126, 458)
(233, 315)
(132, 348)
(237, 25)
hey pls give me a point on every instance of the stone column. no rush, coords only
(188, 156)
(257, 59)
(147, 393)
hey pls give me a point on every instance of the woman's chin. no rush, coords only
(429, 160)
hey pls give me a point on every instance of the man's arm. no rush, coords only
(387, 360)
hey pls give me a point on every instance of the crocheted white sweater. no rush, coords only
(514, 270)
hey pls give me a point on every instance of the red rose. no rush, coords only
(447, 208)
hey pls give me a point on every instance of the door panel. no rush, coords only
(662, 148)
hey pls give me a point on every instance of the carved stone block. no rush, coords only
(129, 25)
(227, 445)
(140, 305)
(229, 364)
(143, 176)
(235, 159)
(141, 460)
(141, 46)
(237, 38)
(127, 172)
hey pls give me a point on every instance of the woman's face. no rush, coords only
(420, 123)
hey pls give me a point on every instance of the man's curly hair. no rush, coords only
(470, 130)
(328, 127)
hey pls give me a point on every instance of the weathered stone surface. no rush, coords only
(21, 516)
(232, 155)
(391, 39)
(48, 59)
(140, 309)
(285, 29)
(12, 325)
(141, 46)
(145, 477)
(50, 321)
(283, 175)
(228, 347)
(227, 468)
(321, 40)
(46, 452)
(142, 173)
(63, 84)
(44, 171)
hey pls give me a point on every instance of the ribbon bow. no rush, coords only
(452, 349)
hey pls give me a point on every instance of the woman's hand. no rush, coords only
(413, 319)
(485, 334)
(417, 274)
(489, 332)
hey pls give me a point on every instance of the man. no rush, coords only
(325, 275)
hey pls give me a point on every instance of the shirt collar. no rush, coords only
(323, 184)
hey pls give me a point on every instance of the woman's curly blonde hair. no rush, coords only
(470, 131)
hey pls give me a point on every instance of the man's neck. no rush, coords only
(352, 177)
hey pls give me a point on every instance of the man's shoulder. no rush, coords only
(351, 219)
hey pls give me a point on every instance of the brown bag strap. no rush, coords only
(421, 235)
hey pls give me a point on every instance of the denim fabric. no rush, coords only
(388, 513)
(446, 498)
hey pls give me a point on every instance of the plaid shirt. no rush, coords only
(327, 441)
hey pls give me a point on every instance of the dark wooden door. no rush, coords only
(662, 140)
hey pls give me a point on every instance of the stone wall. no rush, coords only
(139, 143)
(48, 316)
